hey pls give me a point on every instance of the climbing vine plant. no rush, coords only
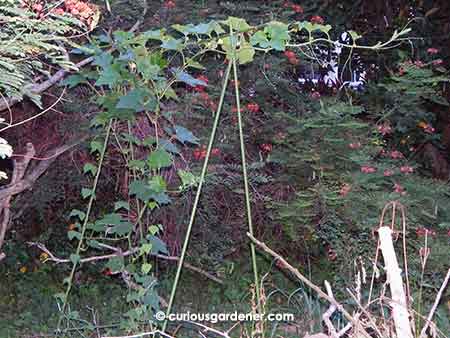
(135, 76)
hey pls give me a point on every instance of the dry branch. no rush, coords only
(310, 284)
(23, 178)
(53, 258)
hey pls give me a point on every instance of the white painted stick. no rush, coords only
(399, 308)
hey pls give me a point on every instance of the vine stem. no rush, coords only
(85, 221)
(246, 186)
(197, 197)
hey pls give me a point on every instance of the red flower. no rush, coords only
(432, 51)
(395, 154)
(266, 147)
(355, 145)
(289, 54)
(317, 19)
(438, 62)
(368, 169)
(169, 4)
(107, 272)
(399, 189)
(388, 172)
(201, 88)
(253, 107)
(234, 109)
(215, 151)
(297, 8)
(58, 11)
(384, 129)
(315, 95)
(406, 169)
(200, 153)
(419, 64)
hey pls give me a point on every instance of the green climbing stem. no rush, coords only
(246, 186)
(197, 198)
(85, 222)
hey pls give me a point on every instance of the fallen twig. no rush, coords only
(53, 258)
(310, 284)
(435, 305)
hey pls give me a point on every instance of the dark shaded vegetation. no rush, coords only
(322, 162)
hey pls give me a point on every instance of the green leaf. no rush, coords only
(187, 179)
(73, 80)
(237, 24)
(109, 77)
(77, 213)
(158, 246)
(172, 44)
(73, 234)
(278, 35)
(137, 99)
(145, 248)
(85, 192)
(157, 184)
(96, 146)
(159, 158)
(115, 264)
(90, 168)
(145, 268)
(260, 38)
(103, 60)
(94, 244)
(153, 229)
(121, 205)
(123, 228)
(74, 258)
(183, 135)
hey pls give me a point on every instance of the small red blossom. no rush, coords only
(399, 189)
(200, 153)
(432, 51)
(317, 19)
(253, 107)
(395, 155)
(215, 151)
(266, 147)
(419, 64)
(169, 4)
(406, 169)
(388, 172)
(384, 129)
(345, 189)
(297, 8)
(438, 62)
(58, 11)
(401, 71)
(368, 169)
(289, 54)
(107, 272)
(234, 109)
(422, 232)
(200, 88)
(315, 95)
(355, 145)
